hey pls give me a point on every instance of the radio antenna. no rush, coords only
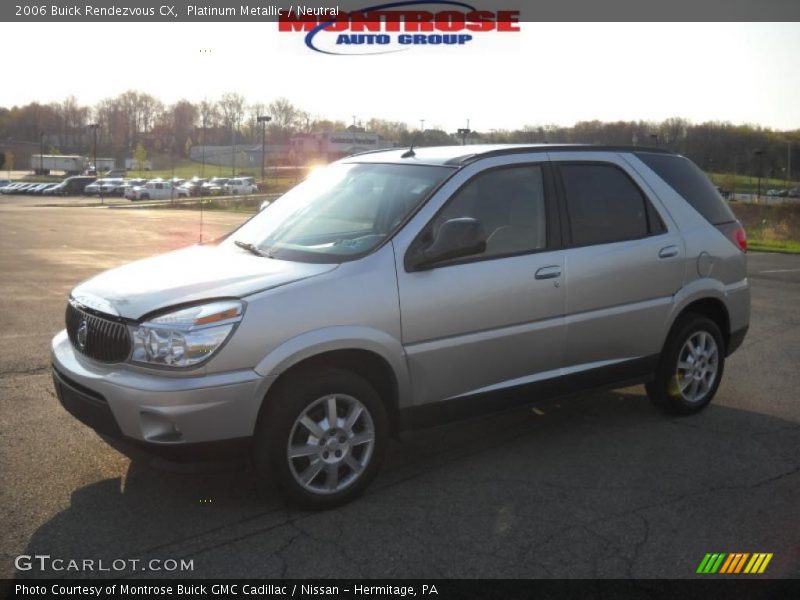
(201, 214)
(410, 152)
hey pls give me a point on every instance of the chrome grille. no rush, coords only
(105, 340)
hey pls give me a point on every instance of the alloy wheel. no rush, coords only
(330, 444)
(698, 366)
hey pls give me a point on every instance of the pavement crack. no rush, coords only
(637, 549)
(22, 372)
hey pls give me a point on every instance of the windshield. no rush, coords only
(340, 211)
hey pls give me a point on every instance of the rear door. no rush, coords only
(624, 263)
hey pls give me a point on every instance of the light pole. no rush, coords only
(263, 119)
(93, 127)
(233, 150)
(654, 136)
(759, 155)
(203, 153)
(41, 153)
(464, 132)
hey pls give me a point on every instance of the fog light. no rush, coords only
(159, 428)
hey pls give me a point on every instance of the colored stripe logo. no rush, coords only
(734, 563)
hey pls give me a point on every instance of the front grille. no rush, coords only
(105, 339)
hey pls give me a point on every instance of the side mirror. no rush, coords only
(456, 238)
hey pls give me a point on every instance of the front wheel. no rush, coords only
(691, 366)
(322, 437)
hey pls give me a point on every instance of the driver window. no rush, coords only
(509, 203)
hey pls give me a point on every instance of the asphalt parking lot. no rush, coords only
(599, 486)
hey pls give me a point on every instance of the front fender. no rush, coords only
(312, 343)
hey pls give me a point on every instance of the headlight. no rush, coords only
(187, 336)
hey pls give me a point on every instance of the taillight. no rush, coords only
(740, 237)
(735, 233)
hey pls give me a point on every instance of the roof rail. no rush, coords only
(463, 160)
(372, 152)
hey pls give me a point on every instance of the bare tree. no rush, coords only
(285, 117)
(182, 117)
(231, 108)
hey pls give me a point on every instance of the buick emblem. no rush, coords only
(83, 332)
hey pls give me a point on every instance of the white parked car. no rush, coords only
(240, 185)
(156, 189)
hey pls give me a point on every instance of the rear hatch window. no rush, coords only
(689, 181)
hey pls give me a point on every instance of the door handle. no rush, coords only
(668, 252)
(549, 272)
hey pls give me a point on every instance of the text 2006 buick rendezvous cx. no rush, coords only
(399, 288)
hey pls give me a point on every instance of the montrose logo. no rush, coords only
(397, 26)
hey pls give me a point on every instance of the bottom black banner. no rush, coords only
(439, 589)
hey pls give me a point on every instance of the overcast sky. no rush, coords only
(548, 73)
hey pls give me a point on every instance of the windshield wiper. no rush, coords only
(252, 248)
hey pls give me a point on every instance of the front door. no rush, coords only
(493, 320)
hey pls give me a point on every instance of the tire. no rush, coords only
(144, 197)
(335, 470)
(691, 366)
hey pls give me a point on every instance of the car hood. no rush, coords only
(189, 275)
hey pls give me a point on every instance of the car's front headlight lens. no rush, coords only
(185, 337)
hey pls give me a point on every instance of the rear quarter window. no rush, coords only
(691, 183)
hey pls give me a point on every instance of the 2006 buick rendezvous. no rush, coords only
(398, 288)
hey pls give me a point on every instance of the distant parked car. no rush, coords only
(116, 173)
(34, 189)
(25, 187)
(130, 184)
(112, 187)
(73, 186)
(156, 189)
(239, 185)
(794, 192)
(45, 189)
(11, 188)
(215, 186)
(93, 189)
(194, 186)
(4, 183)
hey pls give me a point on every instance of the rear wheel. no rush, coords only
(691, 366)
(322, 437)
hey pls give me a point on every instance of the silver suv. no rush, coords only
(401, 288)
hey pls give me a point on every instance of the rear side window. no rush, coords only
(604, 205)
(689, 181)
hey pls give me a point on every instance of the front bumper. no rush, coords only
(179, 417)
